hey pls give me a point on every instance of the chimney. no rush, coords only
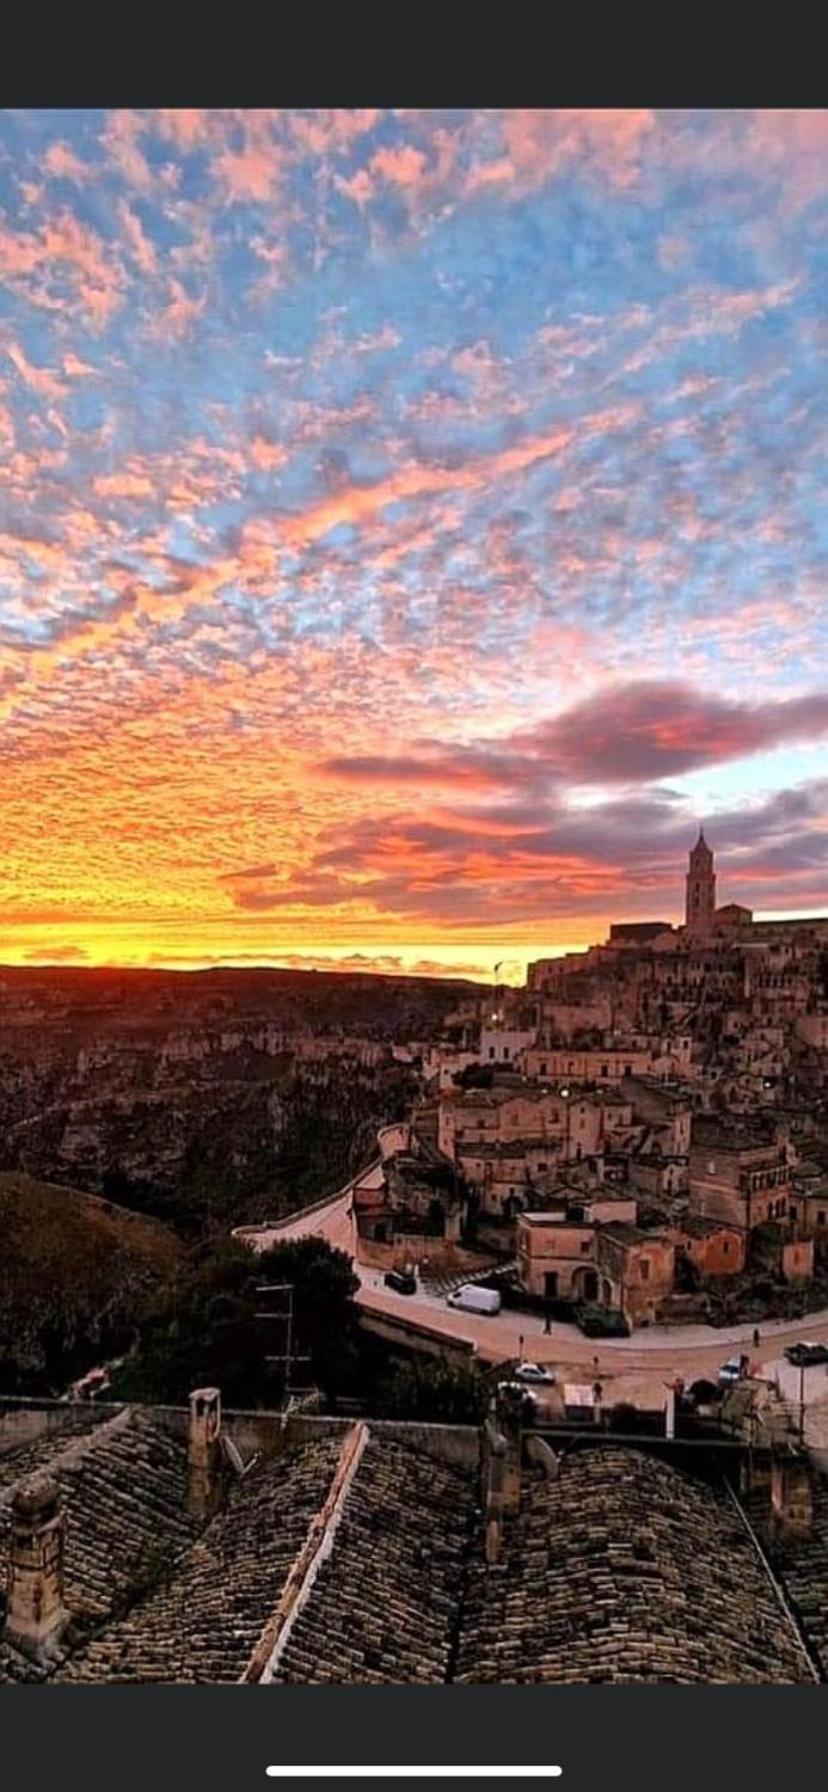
(204, 1453)
(792, 1499)
(502, 1448)
(35, 1613)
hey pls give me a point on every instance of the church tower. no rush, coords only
(700, 905)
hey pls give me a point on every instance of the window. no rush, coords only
(645, 1269)
(605, 1070)
(821, 1217)
(491, 1051)
(505, 1051)
(726, 1247)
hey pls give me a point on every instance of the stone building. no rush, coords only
(700, 890)
(740, 1172)
(556, 1256)
(712, 1247)
(637, 1270)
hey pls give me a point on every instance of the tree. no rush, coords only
(207, 1330)
(437, 1393)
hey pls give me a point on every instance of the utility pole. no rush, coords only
(282, 1315)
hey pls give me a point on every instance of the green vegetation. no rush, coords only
(207, 1328)
(245, 1152)
(435, 1392)
(76, 1275)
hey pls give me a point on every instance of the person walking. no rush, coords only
(756, 1337)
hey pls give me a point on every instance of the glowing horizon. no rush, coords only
(411, 527)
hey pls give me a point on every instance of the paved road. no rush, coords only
(635, 1367)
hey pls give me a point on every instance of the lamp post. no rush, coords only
(801, 1404)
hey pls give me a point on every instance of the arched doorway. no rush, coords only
(585, 1284)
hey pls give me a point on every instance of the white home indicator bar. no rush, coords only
(414, 1773)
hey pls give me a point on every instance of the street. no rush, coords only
(634, 1369)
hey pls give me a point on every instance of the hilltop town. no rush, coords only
(644, 1126)
(614, 1160)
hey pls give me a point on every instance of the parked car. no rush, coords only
(732, 1371)
(600, 1322)
(471, 1299)
(534, 1373)
(804, 1355)
(401, 1281)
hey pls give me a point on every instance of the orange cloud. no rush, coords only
(123, 485)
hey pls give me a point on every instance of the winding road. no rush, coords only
(636, 1368)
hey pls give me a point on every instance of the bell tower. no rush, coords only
(700, 902)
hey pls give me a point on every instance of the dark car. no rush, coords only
(600, 1322)
(400, 1281)
(805, 1355)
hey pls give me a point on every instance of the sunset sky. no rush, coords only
(411, 525)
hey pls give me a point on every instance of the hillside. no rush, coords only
(206, 1098)
(76, 1273)
(363, 1003)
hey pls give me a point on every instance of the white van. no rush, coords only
(475, 1300)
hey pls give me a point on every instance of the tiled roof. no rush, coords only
(123, 1491)
(803, 1565)
(26, 1459)
(624, 1569)
(357, 1557)
(203, 1623)
(386, 1603)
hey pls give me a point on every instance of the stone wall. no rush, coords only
(405, 1248)
(458, 1445)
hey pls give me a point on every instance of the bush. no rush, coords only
(438, 1393)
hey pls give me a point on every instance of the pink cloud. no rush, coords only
(335, 131)
(186, 126)
(76, 369)
(254, 171)
(179, 314)
(38, 379)
(123, 485)
(140, 248)
(61, 162)
(402, 166)
(359, 187)
(538, 144)
(267, 456)
(120, 139)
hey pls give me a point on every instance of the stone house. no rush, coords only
(712, 1247)
(556, 1256)
(637, 1270)
(739, 1175)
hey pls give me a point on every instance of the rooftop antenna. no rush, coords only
(282, 1314)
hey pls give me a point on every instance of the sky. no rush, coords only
(412, 526)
